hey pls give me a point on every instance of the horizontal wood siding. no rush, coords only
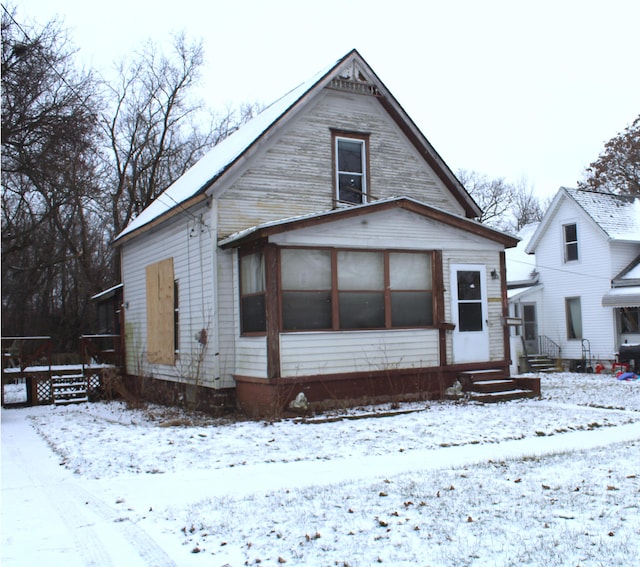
(294, 175)
(491, 259)
(588, 278)
(189, 243)
(251, 357)
(228, 316)
(320, 353)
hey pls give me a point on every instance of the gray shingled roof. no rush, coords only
(617, 215)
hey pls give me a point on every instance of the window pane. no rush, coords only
(252, 273)
(468, 285)
(572, 251)
(360, 270)
(350, 188)
(411, 309)
(630, 319)
(574, 318)
(253, 314)
(410, 271)
(361, 310)
(470, 316)
(350, 156)
(306, 310)
(306, 269)
(570, 233)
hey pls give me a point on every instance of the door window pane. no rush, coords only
(469, 285)
(470, 316)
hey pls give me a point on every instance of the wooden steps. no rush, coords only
(541, 363)
(490, 386)
(69, 389)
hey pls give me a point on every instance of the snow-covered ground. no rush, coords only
(554, 481)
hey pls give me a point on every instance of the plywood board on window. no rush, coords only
(160, 312)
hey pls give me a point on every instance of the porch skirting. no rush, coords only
(261, 397)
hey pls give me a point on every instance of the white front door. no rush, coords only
(470, 314)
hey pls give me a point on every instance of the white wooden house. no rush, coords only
(325, 248)
(583, 292)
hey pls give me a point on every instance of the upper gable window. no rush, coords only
(351, 169)
(570, 242)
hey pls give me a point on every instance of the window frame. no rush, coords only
(570, 244)
(387, 292)
(363, 139)
(253, 294)
(573, 334)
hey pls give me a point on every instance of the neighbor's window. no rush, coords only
(574, 317)
(252, 293)
(161, 312)
(630, 319)
(570, 242)
(354, 289)
(351, 169)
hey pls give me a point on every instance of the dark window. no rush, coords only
(574, 317)
(354, 289)
(252, 293)
(351, 170)
(630, 319)
(570, 242)
(469, 301)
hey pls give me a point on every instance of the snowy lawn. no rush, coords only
(554, 481)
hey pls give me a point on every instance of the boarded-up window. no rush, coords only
(160, 313)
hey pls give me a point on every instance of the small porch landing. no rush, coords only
(491, 385)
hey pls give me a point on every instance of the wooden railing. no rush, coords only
(101, 349)
(23, 352)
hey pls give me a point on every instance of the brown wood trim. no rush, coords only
(361, 210)
(272, 308)
(505, 308)
(438, 298)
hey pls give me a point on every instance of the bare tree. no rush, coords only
(525, 208)
(155, 130)
(494, 197)
(617, 169)
(49, 234)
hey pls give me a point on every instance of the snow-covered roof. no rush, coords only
(213, 163)
(617, 216)
(622, 297)
(520, 265)
(211, 166)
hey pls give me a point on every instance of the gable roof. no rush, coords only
(351, 70)
(616, 216)
(294, 223)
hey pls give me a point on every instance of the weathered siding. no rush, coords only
(309, 354)
(187, 239)
(294, 175)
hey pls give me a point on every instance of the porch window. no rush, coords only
(355, 289)
(252, 293)
(630, 319)
(351, 169)
(161, 312)
(306, 289)
(570, 242)
(574, 317)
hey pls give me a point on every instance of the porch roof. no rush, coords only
(622, 297)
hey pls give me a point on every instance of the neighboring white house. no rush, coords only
(324, 248)
(581, 284)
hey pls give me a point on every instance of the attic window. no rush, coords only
(570, 233)
(351, 169)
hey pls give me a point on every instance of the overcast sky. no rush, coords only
(525, 90)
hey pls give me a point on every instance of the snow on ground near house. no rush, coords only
(554, 481)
